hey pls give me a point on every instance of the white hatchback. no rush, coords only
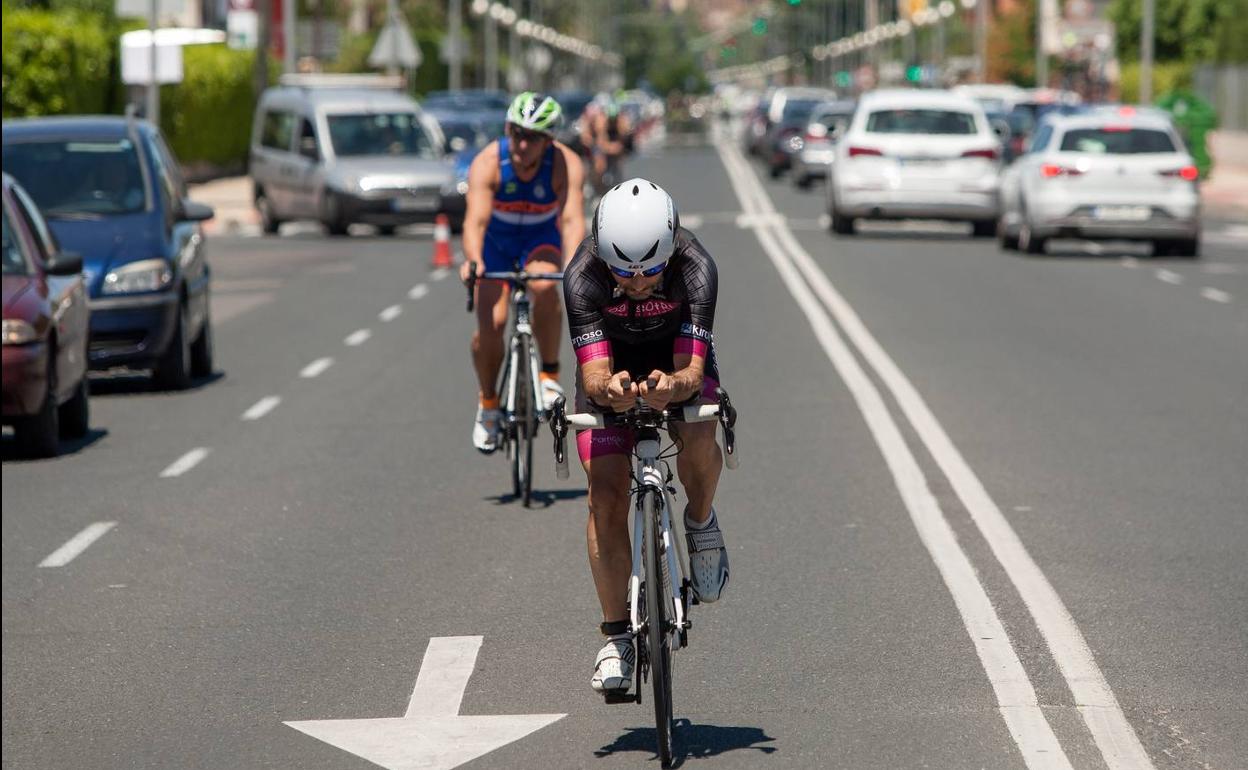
(1120, 173)
(911, 154)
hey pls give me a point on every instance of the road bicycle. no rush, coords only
(659, 593)
(520, 398)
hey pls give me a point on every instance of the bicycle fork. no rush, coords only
(652, 475)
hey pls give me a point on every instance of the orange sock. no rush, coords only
(489, 403)
(548, 376)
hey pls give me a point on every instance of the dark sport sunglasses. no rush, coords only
(648, 272)
(525, 135)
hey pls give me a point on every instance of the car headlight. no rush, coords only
(462, 187)
(146, 275)
(17, 332)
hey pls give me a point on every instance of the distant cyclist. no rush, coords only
(611, 136)
(525, 209)
(641, 295)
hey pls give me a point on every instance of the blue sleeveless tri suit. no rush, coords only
(525, 215)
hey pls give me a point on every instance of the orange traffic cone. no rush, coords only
(442, 241)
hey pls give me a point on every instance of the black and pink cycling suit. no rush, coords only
(640, 336)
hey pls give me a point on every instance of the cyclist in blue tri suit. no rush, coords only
(525, 209)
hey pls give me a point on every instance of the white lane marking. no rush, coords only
(390, 313)
(185, 463)
(1130, 262)
(316, 368)
(418, 291)
(77, 544)
(1170, 277)
(1113, 734)
(1223, 268)
(358, 337)
(1217, 295)
(439, 274)
(431, 734)
(443, 676)
(692, 221)
(1016, 698)
(262, 407)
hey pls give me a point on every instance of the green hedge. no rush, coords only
(207, 117)
(57, 63)
(1167, 76)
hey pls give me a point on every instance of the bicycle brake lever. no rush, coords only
(472, 280)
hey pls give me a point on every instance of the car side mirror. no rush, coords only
(193, 211)
(308, 148)
(65, 263)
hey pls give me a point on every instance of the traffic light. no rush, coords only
(795, 2)
(844, 79)
(914, 73)
(760, 26)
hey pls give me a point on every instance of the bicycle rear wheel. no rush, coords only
(658, 639)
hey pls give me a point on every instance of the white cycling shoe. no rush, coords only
(551, 390)
(485, 429)
(708, 560)
(613, 668)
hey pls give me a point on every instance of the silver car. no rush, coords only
(1120, 173)
(342, 155)
(817, 148)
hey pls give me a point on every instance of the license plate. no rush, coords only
(417, 203)
(924, 162)
(1122, 213)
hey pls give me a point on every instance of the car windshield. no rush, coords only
(464, 100)
(466, 136)
(1117, 141)
(799, 110)
(902, 121)
(14, 261)
(68, 178)
(393, 133)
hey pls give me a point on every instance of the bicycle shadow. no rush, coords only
(693, 741)
(540, 498)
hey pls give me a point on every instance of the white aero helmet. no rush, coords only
(635, 228)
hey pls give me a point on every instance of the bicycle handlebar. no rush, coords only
(506, 275)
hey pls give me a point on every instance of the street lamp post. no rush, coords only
(1146, 53)
(153, 87)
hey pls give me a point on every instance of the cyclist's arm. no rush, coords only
(482, 180)
(688, 377)
(693, 341)
(571, 201)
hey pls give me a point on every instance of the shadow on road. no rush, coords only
(10, 450)
(139, 383)
(693, 741)
(541, 499)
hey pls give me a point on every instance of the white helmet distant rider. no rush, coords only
(635, 228)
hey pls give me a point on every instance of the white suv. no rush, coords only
(1111, 173)
(910, 154)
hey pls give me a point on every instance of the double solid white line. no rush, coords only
(1016, 698)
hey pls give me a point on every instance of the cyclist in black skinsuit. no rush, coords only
(640, 295)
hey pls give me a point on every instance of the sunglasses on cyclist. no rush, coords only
(648, 272)
(524, 135)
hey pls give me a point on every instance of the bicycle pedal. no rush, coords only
(616, 698)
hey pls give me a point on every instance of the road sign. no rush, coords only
(395, 47)
(431, 735)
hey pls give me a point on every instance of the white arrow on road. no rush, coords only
(431, 735)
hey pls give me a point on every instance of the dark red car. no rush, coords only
(46, 319)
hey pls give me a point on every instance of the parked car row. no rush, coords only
(1088, 171)
(104, 267)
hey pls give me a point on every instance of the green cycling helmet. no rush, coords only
(536, 112)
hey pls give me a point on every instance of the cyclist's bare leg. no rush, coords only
(547, 311)
(610, 556)
(487, 340)
(698, 465)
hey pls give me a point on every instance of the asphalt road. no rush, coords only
(991, 516)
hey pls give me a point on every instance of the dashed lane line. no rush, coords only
(77, 544)
(316, 368)
(418, 291)
(1216, 295)
(390, 313)
(185, 463)
(358, 337)
(262, 407)
(1170, 277)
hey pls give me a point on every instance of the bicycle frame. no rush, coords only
(654, 475)
(521, 329)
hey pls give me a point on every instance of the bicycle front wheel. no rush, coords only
(659, 640)
(525, 425)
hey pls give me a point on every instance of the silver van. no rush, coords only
(344, 149)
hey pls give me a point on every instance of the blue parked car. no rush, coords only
(112, 191)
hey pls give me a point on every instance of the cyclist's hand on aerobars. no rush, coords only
(657, 390)
(621, 392)
(468, 268)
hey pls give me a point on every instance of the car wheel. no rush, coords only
(332, 216)
(1006, 241)
(1029, 241)
(984, 228)
(39, 434)
(457, 226)
(840, 224)
(269, 222)
(75, 414)
(1186, 247)
(387, 230)
(202, 350)
(173, 370)
(775, 171)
